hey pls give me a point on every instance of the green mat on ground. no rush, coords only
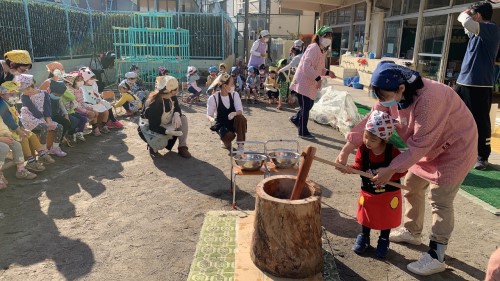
(214, 258)
(484, 185)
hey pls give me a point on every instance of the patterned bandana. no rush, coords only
(18, 56)
(24, 80)
(381, 124)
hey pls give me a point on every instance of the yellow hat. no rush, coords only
(18, 56)
(272, 68)
(11, 86)
(223, 65)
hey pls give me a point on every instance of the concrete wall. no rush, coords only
(307, 21)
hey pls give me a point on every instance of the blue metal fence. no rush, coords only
(56, 31)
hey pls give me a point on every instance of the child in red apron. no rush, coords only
(379, 207)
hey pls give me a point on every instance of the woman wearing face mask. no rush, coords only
(442, 148)
(258, 52)
(56, 73)
(296, 55)
(165, 121)
(307, 79)
(225, 111)
(16, 62)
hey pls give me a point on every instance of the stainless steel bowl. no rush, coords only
(249, 162)
(284, 159)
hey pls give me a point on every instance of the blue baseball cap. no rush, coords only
(387, 76)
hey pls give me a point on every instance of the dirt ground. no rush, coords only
(109, 211)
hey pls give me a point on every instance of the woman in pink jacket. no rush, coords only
(442, 148)
(307, 78)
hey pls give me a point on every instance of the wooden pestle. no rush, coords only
(305, 166)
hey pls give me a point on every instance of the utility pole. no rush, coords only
(245, 32)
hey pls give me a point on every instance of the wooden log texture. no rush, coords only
(287, 233)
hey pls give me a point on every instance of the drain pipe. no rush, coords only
(369, 4)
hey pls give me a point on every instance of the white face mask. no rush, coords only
(266, 40)
(325, 42)
(58, 73)
(15, 73)
(79, 83)
(231, 89)
(12, 100)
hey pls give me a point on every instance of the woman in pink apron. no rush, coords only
(258, 52)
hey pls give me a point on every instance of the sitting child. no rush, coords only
(128, 100)
(92, 97)
(59, 112)
(222, 68)
(252, 85)
(8, 94)
(7, 143)
(272, 87)
(238, 83)
(69, 102)
(36, 113)
(192, 77)
(212, 70)
(379, 207)
(262, 78)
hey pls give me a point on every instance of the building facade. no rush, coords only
(424, 31)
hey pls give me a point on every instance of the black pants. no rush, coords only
(301, 118)
(66, 126)
(478, 100)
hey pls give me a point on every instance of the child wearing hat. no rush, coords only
(379, 207)
(82, 108)
(36, 113)
(238, 82)
(69, 101)
(16, 62)
(222, 68)
(192, 76)
(30, 143)
(262, 77)
(92, 97)
(271, 85)
(252, 84)
(128, 100)
(56, 73)
(60, 113)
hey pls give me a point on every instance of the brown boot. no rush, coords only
(184, 152)
(227, 139)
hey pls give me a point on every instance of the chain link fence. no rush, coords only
(52, 31)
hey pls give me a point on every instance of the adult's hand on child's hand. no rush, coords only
(176, 120)
(231, 115)
(383, 176)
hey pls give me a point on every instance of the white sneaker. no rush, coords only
(426, 265)
(80, 136)
(402, 235)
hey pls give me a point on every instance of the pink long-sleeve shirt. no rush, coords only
(440, 133)
(310, 67)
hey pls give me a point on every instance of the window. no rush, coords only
(330, 18)
(429, 60)
(408, 38)
(391, 42)
(344, 42)
(411, 6)
(433, 34)
(433, 4)
(360, 12)
(344, 15)
(396, 7)
(359, 38)
(462, 2)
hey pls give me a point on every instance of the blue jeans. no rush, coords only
(301, 118)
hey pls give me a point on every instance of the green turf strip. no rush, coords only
(484, 185)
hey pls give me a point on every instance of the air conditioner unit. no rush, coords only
(383, 4)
